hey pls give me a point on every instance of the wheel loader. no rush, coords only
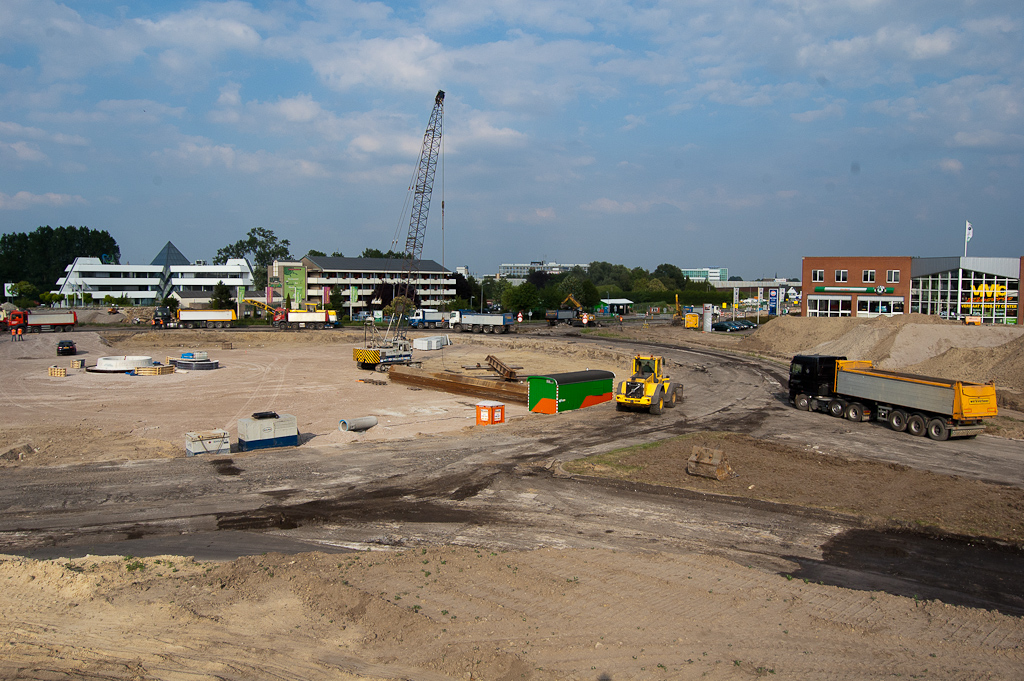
(648, 389)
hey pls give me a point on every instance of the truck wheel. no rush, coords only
(898, 420)
(937, 430)
(837, 408)
(916, 425)
(657, 404)
(671, 404)
(855, 412)
(802, 402)
(457, 328)
(619, 406)
(189, 325)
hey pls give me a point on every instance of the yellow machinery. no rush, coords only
(648, 389)
(677, 316)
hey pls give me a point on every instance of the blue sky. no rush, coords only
(699, 133)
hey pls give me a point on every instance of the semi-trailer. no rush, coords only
(163, 318)
(482, 322)
(855, 389)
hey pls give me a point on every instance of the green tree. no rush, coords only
(25, 294)
(398, 305)
(41, 256)
(316, 253)
(171, 303)
(377, 253)
(221, 298)
(520, 298)
(264, 247)
(337, 300)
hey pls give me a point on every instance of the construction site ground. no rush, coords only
(572, 546)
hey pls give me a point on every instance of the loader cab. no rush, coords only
(813, 375)
(645, 366)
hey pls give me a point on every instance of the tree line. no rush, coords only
(36, 260)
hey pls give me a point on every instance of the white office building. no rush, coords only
(169, 272)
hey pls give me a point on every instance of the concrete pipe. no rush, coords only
(358, 424)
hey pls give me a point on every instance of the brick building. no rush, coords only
(952, 288)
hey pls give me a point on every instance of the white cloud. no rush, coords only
(830, 110)
(951, 165)
(611, 207)
(634, 121)
(25, 200)
(198, 154)
(23, 151)
(533, 217)
(988, 139)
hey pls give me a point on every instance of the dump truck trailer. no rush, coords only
(855, 390)
(164, 318)
(36, 322)
(486, 322)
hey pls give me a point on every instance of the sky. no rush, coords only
(700, 133)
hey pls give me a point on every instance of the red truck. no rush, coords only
(41, 321)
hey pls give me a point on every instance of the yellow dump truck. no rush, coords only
(856, 390)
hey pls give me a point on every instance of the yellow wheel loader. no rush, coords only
(648, 389)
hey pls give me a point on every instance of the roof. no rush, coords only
(170, 255)
(577, 376)
(617, 301)
(328, 263)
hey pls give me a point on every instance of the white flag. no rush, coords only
(970, 231)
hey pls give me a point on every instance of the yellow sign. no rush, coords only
(989, 291)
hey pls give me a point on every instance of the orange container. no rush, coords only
(488, 413)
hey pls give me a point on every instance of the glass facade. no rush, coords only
(962, 292)
(829, 306)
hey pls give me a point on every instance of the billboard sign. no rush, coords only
(293, 284)
(773, 301)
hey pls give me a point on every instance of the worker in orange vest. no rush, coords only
(14, 334)
(20, 331)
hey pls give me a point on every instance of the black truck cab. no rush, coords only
(812, 376)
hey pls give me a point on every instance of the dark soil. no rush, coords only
(885, 495)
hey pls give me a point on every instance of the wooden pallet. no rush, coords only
(59, 372)
(159, 370)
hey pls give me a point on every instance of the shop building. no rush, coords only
(952, 288)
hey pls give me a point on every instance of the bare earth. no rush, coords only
(475, 612)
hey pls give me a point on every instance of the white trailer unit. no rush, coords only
(210, 319)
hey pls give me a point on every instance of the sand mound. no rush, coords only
(918, 343)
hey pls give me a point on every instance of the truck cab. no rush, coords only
(812, 376)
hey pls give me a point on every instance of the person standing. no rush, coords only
(14, 334)
(20, 332)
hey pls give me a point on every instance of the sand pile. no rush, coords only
(917, 343)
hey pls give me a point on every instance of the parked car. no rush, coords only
(66, 347)
(725, 326)
(745, 324)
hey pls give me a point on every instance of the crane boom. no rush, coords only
(425, 179)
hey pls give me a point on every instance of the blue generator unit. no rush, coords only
(266, 430)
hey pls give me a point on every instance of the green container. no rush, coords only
(556, 393)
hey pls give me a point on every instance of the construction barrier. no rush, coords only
(489, 412)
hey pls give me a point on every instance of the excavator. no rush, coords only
(573, 316)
